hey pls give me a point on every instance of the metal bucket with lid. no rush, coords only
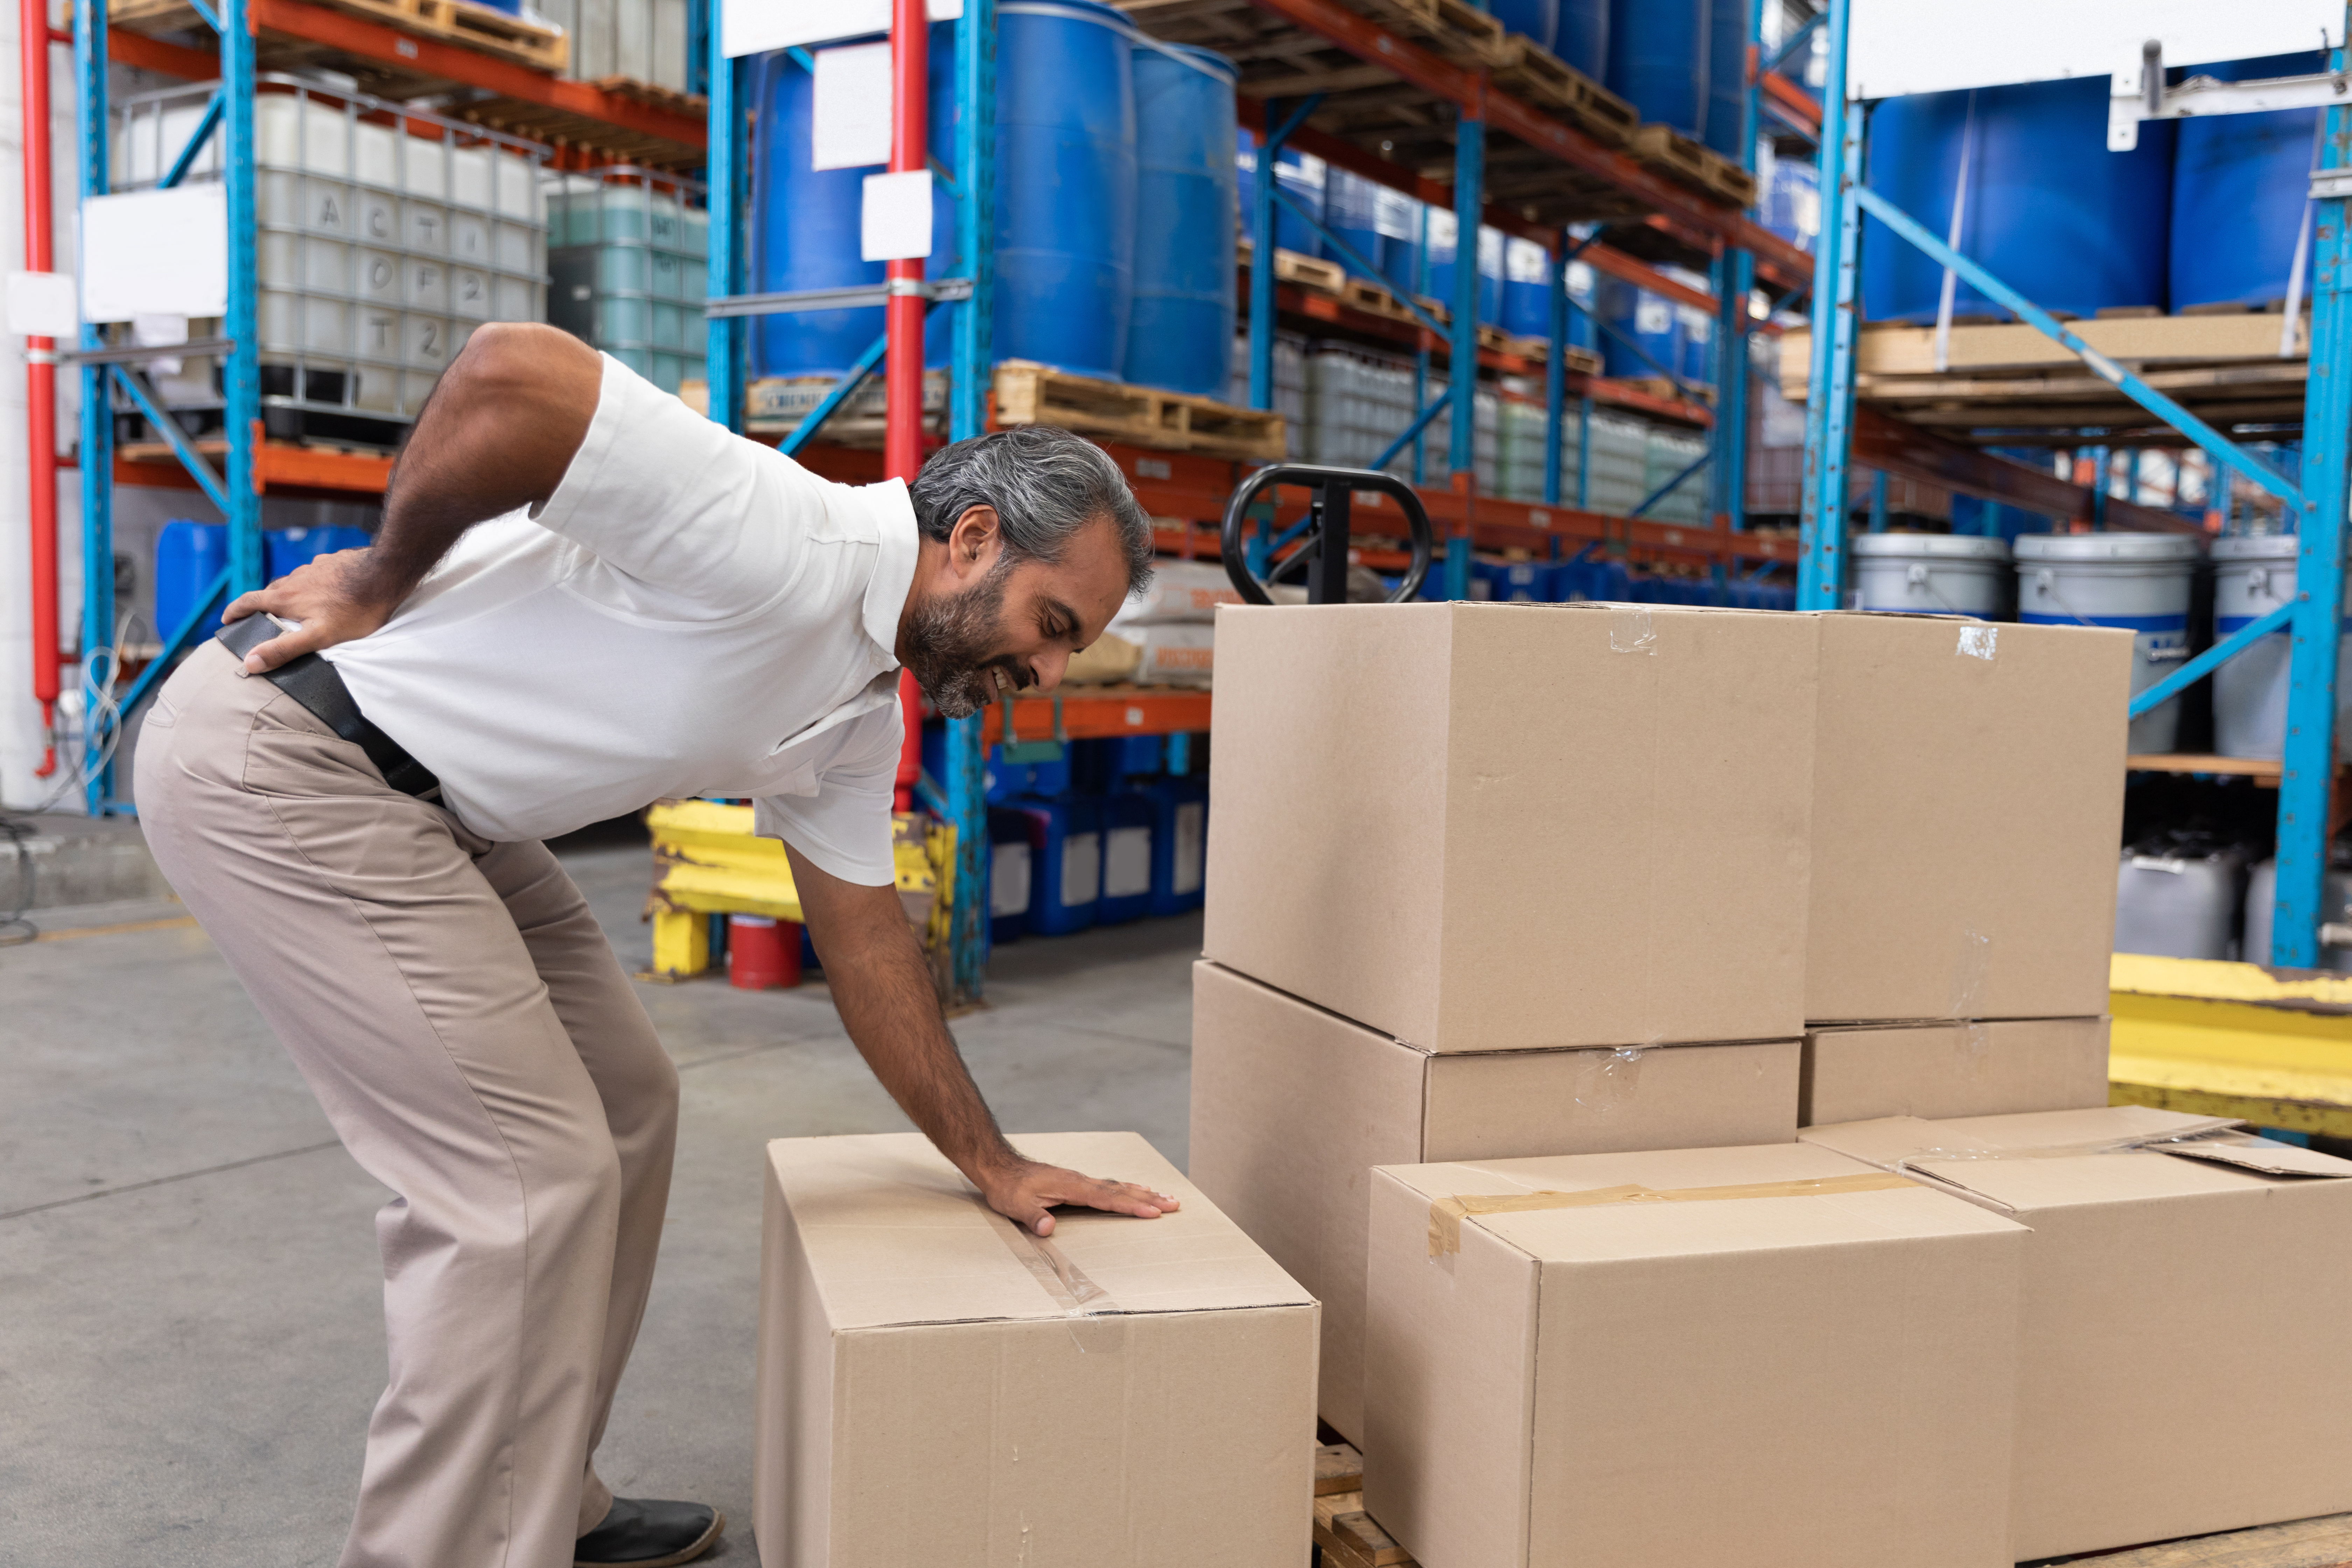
(2254, 573)
(2138, 581)
(1932, 573)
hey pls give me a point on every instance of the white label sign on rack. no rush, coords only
(155, 253)
(1902, 45)
(849, 113)
(895, 222)
(755, 26)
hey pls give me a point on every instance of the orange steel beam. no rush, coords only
(375, 41)
(155, 55)
(1887, 444)
(1792, 100)
(1775, 256)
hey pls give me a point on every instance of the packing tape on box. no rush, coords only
(1446, 1215)
(1604, 1079)
(2222, 1143)
(1629, 630)
(1978, 641)
(1092, 1316)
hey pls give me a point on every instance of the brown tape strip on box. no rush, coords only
(1446, 1215)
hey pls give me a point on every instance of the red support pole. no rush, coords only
(34, 36)
(902, 430)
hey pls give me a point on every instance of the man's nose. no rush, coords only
(1049, 668)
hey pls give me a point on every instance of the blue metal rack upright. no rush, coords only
(966, 298)
(232, 488)
(2315, 497)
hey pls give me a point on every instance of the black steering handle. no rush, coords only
(1328, 517)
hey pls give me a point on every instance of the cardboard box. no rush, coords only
(1798, 1365)
(935, 1386)
(1490, 826)
(2184, 1366)
(1292, 1106)
(1862, 1071)
(1968, 789)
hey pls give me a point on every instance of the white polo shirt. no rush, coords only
(690, 612)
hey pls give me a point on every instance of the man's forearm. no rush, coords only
(883, 989)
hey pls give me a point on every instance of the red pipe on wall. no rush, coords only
(34, 36)
(902, 374)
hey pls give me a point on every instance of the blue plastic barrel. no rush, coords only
(1400, 219)
(1658, 58)
(1304, 177)
(1792, 197)
(1697, 331)
(1066, 184)
(1065, 864)
(284, 549)
(1181, 328)
(1351, 207)
(188, 556)
(1001, 780)
(1526, 288)
(1179, 836)
(1724, 110)
(2238, 191)
(805, 222)
(1127, 820)
(1643, 316)
(1490, 267)
(2050, 211)
(1575, 30)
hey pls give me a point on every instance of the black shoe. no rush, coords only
(644, 1533)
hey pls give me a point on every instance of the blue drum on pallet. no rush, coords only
(1351, 208)
(1065, 181)
(1441, 248)
(1683, 63)
(1526, 288)
(1398, 219)
(1575, 30)
(2240, 191)
(1181, 332)
(806, 222)
(1641, 321)
(2049, 210)
(1302, 177)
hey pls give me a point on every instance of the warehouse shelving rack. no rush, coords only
(2316, 497)
(236, 470)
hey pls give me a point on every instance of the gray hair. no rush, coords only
(1044, 484)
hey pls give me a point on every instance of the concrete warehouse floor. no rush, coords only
(191, 1334)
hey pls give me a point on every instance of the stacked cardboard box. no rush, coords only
(1968, 797)
(1497, 880)
(1493, 1046)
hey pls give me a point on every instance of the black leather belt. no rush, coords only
(319, 687)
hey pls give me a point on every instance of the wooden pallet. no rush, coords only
(1453, 28)
(1031, 394)
(1668, 152)
(1533, 72)
(692, 104)
(1345, 1535)
(1310, 272)
(476, 28)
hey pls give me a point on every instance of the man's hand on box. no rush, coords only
(1027, 1193)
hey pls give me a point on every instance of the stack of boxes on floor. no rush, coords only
(1680, 1079)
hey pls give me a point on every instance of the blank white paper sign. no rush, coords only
(849, 115)
(42, 305)
(755, 26)
(155, 253)
(1898, 46)
(896, 222)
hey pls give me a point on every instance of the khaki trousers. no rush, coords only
(471, 1036)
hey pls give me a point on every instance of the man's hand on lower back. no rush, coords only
(1027, 1193)
(331, 597)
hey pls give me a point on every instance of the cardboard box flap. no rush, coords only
(894, 1235)
(1675, 1203)
(2050, 1159)
(2264, 1155)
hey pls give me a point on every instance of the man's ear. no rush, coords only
(973, 543)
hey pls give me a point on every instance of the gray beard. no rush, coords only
(948, 643)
